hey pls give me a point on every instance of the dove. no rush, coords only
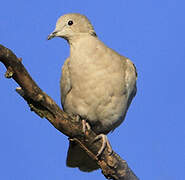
(97, 84)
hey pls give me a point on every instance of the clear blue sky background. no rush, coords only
(152, 138)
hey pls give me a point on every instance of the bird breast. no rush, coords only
(97, 80)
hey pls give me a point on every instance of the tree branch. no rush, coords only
(113, 167)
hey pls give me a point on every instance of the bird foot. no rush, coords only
(85, 126)
(105, 143)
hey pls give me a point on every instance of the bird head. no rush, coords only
(71, 25)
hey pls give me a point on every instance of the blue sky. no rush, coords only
(152, 138)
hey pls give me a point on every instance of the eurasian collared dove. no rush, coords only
(97, 83)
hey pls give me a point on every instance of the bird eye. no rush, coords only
(70, 23)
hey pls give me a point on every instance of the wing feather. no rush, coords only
(65, 83)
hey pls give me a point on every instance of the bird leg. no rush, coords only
(85, 126)
(105, 143)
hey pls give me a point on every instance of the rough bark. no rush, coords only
(113, 167)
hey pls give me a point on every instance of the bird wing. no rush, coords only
(130, 81)
(65, 83)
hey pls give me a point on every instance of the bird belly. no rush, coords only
(98, 92)
(100, 99)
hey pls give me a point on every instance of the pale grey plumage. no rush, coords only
(97, 83)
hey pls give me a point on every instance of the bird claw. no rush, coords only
(105, 143)
(85, 126)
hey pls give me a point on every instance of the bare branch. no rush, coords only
(113, 167)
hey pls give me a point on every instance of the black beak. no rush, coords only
(52, 35)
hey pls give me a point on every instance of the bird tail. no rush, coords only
(77, 157)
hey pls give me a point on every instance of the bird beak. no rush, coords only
(52, 35)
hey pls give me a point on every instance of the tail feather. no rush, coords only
(77, 157)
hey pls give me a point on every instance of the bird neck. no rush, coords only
(75, 39)
(85, 45)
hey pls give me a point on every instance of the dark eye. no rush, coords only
(70, 23)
